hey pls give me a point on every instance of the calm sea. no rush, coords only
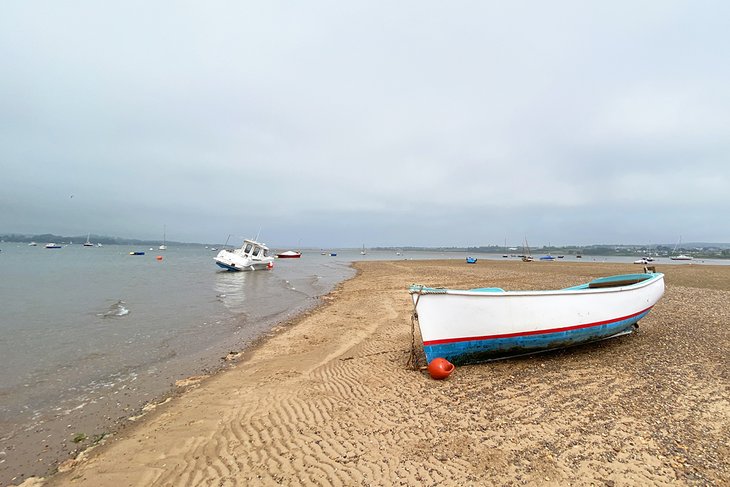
(88, 335)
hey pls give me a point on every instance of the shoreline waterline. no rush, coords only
(119, 333)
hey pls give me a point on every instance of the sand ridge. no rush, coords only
(329, 401)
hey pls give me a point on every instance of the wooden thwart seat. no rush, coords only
(616, 282)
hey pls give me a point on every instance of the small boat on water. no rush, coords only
(88, 242)
(164, 238)
(333, 254)
(475, 325)
(252, 256)
(137, 252)
(681, 257)
(32, 244)
(548, 258)
(52, 246)
(471, 260)
(289, 254)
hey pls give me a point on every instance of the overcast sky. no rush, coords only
(335, 123)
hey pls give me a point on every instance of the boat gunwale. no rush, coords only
(423, 290)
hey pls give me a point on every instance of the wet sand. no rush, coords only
(328, 400)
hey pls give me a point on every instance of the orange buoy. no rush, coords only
(440, 368)
(159, 257)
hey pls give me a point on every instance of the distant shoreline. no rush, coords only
(700, 250)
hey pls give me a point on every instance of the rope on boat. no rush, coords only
(420, 289)
(412, 357)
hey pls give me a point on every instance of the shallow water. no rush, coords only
(88, 335)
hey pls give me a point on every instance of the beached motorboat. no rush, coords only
(289, 254)
(471, 260)
(642, 260)
(466, 326)
(251, 256)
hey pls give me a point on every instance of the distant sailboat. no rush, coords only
(680, 256)
(527, 257)
(164, 237)
(362, 252)
(88, 242)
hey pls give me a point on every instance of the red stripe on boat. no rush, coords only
(534, 332)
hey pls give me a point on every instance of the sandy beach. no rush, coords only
(327, 399)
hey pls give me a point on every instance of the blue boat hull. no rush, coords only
(472, 351)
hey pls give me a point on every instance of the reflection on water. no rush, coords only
(230, 288)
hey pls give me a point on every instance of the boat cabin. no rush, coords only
(255, 249)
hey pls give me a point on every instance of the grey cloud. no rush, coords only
(413, 123)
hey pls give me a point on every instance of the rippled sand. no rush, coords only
(328, 400)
